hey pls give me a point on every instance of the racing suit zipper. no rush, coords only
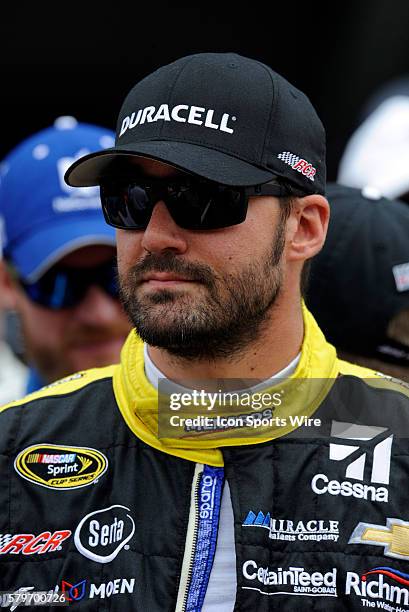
(201, 537)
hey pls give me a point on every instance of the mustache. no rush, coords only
(168, 262)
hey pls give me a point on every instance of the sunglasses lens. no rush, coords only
(66, 288)
(126, 207)
(207, 206)
(54, 290)
(195, 205)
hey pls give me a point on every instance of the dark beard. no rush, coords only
(221, 324)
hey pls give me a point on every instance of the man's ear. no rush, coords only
(8, 290)
(307, 227)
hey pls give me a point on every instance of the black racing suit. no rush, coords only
(93, 506)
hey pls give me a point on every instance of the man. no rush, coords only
(198, 473)
(12, 371)
(359, 282)
(60, 256)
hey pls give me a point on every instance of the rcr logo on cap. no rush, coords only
(299, 164)
(182, 113)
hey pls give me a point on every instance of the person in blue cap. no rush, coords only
(59, 269)
(13, 373)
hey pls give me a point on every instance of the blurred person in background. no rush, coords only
(377, 153)
(359, 282)
(13, 373)
(59, 268)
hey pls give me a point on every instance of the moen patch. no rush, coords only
(60, 467)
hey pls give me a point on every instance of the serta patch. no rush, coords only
(181, 113)
(102, 534)
(60, 467)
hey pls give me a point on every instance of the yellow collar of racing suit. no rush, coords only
(301, 394)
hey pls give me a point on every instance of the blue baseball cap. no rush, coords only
(42, 219)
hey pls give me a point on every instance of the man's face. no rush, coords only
(90, 334)
(201, 294)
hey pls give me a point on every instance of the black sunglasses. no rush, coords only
(62, 287)
(193, 203)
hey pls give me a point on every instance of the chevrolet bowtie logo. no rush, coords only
(394, 537)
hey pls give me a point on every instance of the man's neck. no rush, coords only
(279, 344)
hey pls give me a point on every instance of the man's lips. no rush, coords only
(164, 279)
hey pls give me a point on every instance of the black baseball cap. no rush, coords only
(360, 280)
(221, 116)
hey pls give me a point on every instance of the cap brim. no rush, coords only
(36, 254)
(202, 161)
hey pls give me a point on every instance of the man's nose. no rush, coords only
(162, 233)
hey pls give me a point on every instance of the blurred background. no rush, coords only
(82, 58)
